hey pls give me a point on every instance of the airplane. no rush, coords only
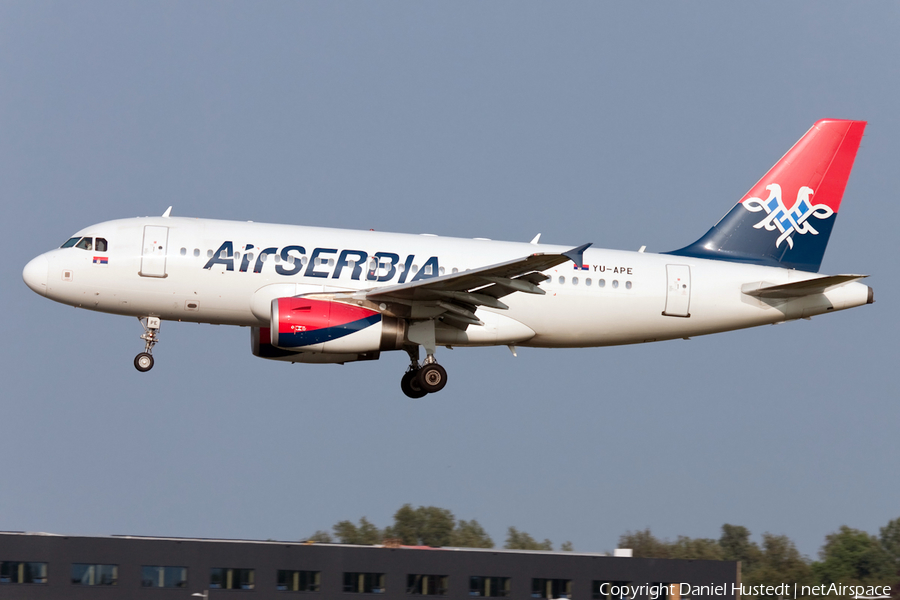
(320, 295)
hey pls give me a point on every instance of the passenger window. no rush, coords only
(574, 281)
(587, 281)
(209, 254)
(627, 285)
(562, 280)
(70, 242)
(86, 244)
(615, 283)
(601, 283)
(196, 252)
(183, 250)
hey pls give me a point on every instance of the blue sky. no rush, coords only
(620, 124)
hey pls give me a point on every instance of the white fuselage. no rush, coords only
(620, 298)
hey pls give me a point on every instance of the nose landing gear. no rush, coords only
(143, 362)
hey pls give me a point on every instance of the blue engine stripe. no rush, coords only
(318, 336)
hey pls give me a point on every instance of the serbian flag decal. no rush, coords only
(101, 260)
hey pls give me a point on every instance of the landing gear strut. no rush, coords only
(430, 377)
(143, 362)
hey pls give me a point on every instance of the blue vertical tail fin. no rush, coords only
(785, 220)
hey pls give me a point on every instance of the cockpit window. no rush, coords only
(100, 245)
(70, 242)
(85, 244)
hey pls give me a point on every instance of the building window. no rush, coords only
(23, 572)
(164, 577)
(83, 574)
(299, 581)
(364, 583)
(551, 588)
(427, 585)
(489, 587)
(232, 579)
(610, 590)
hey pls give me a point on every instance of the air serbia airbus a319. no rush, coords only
(315, 295)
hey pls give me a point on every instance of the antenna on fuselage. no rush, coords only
(168, 212)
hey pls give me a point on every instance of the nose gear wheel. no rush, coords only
(143, 362)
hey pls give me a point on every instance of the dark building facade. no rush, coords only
(41, 566)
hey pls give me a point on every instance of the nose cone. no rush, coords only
(35, 274)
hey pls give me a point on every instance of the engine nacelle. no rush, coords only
(302, 324)
(260, 346)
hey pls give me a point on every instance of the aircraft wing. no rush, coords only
(458, 295)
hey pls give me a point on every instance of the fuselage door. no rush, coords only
(678, 291)
(153, 255)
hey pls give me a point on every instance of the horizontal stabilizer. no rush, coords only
(796, 289)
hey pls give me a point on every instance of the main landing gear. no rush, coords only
(421, 380)
(143, 362)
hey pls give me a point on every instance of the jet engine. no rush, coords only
(260, 346)
(303, 324)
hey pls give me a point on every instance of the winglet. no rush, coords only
(537, 239)
(576, 255)
(168, 212)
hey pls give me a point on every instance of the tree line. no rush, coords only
(848, 556)
(429, 526)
